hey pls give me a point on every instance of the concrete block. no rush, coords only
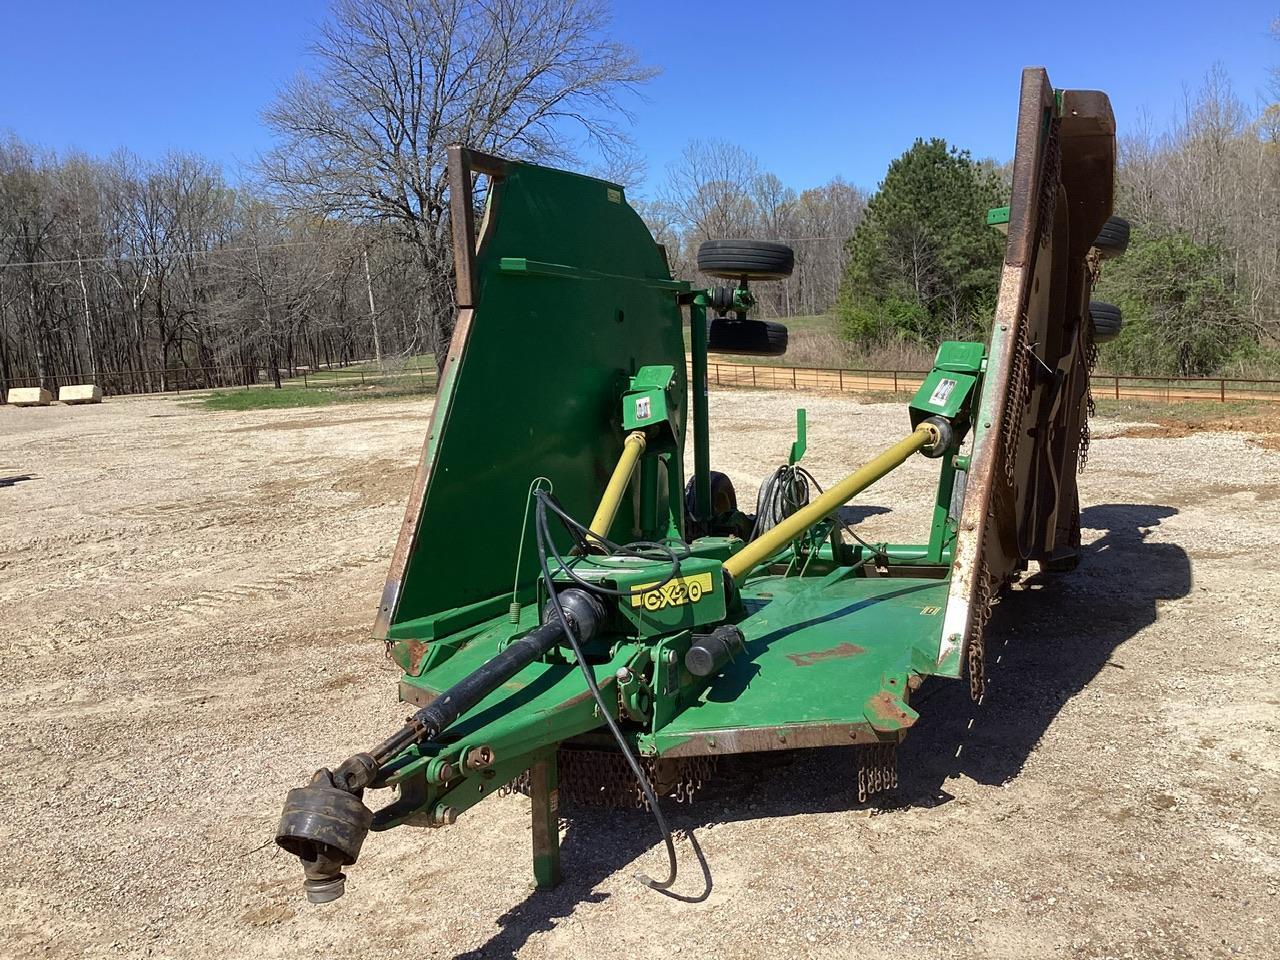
(30, 397)
(80, 393)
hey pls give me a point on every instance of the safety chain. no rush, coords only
(1090, 406)
(988, 597)
(1094, 266)
(603, 778)
(877, 769)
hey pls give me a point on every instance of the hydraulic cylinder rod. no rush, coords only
(608, 509)
(774, 539)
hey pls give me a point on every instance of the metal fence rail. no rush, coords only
(719, 373)
(1105, 385)
(152, 380)
(115, 383)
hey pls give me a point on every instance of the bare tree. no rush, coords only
(397, 81)
(717, 190)
(710, 190)
(824, 219)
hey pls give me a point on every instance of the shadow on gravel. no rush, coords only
(1046, 641)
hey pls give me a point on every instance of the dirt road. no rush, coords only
(185, 600)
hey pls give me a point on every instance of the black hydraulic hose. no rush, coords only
(543, 539)
(644, 549)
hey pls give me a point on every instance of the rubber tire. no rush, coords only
(1106, 319)
(747, 338)
(1113, 238)
(746, 259)
(724, 499)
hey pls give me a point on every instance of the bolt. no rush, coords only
(623, 675)
(480, 758)
(671, 657)
(445, 816)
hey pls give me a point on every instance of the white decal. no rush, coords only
(940, 393)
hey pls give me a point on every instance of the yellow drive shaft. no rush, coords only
(773, 540)
(608, 509)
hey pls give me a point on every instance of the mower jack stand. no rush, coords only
(544, 793)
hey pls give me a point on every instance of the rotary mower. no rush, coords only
(573, 620)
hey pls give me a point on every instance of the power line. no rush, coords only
(129, 258)
(59, 236)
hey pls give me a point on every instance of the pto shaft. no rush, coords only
(608, 509)
(324, 823)
(774, 539)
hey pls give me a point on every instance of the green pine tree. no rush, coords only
(923, 264)
(1182, 311)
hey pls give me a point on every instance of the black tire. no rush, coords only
(1113, 239)
(746, 259)
(1106, 319)
(750, 338)
(724, 499)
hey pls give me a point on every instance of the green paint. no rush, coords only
(649, 404)
(701, 437)
(576, 339)
(818, 651)
(801, 443)
(563, 319)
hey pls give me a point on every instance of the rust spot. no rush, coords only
(605, 684)
(410, 654)
(885, 707)
(845, 649)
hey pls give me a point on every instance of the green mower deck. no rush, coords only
(618, 659)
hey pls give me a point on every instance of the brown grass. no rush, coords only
(829, 350)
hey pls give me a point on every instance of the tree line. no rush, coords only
(1199, 286)
(717, 189)
(139, 273)
(335, 247)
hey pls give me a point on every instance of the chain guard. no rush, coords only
(603, 778)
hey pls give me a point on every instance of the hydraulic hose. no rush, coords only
(324, 822)
(562, 613)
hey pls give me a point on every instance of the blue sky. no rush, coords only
(814, 89)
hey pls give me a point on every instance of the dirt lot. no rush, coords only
(185, 600)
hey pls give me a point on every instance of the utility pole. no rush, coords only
(373, 313)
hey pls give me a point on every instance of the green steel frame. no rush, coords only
(835, 635)
(569, 338)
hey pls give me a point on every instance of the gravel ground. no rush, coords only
(185, 599)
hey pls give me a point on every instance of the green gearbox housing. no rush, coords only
(947, 390)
